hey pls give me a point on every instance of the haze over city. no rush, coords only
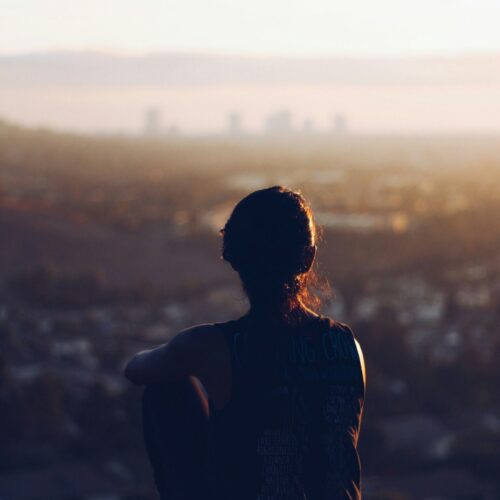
(393, 67)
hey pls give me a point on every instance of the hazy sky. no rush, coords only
(284, 27)
(457, 94)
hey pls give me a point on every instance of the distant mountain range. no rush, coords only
(174, 69)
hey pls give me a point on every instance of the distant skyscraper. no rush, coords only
(308, 126)
(152, 118)
(279, 122)
(340, 123)
(173, 130)
(234, 123)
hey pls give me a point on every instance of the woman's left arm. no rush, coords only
(183, 356)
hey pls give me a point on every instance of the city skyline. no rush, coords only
(105, 93)
(280, 122)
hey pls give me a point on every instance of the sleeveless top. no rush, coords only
(290, 428)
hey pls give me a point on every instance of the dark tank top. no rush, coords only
(290, 428)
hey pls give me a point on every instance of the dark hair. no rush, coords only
(268, 239)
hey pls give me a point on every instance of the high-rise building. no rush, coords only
(152, 122)
(279, 123)
(234, 123)
(308, 126)
(340, 123)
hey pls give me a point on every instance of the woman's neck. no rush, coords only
(280, 314)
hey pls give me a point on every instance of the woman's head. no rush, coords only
(270, 239)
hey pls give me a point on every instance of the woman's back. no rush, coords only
(286, 386)
(291, 426)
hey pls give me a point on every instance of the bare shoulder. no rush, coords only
(196, 333)
(199, 336)
(346, 328)
(203, 344)
(188, 353)
(361, 359)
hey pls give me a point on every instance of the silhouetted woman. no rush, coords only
(278, 411)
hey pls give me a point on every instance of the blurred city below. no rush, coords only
(110, 245)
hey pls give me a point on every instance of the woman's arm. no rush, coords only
(184, 355)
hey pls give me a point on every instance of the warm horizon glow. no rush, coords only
(395, 66)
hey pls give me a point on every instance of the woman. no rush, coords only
(267, 406)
